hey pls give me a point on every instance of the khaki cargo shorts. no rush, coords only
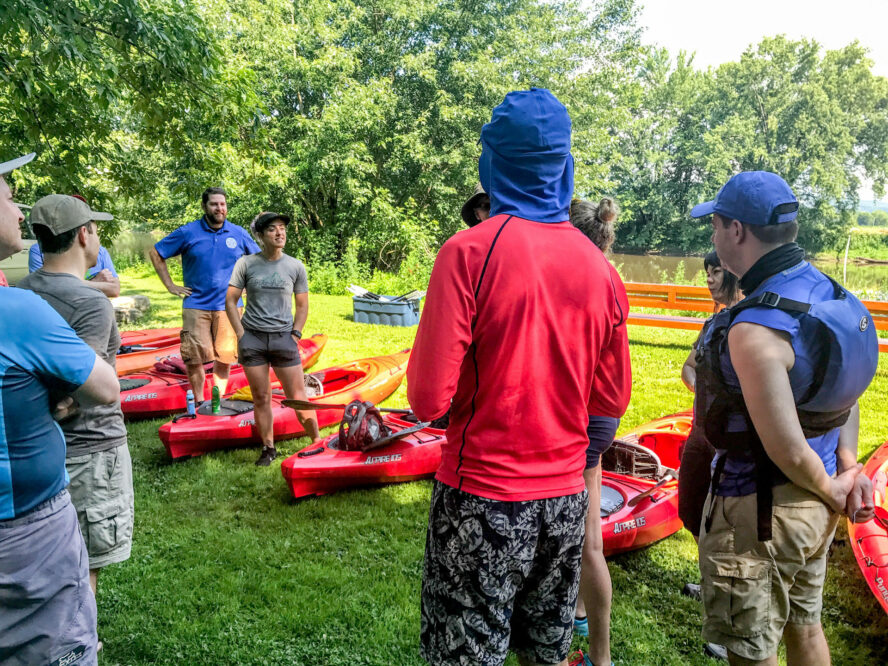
(102, 493)
(751, 589)
(207, 336)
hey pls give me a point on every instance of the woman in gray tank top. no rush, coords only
(268, 333)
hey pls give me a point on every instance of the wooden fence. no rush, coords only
(697, 299)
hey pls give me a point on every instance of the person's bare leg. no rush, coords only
(94, 580)
(260, 387)
(220, 375)
(806, 645)
(735, 660)
(197, 378)
(595, 581)
(292, 380)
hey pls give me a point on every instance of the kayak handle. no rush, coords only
(186, 415)
(312, 452)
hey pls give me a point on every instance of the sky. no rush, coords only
(719, 31)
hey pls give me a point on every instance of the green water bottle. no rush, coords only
(217, 400)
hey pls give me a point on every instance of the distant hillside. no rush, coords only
(870, 205)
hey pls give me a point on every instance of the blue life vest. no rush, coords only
(836, 348)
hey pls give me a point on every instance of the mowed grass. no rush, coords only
(227, 569)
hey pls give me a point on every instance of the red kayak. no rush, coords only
(322, 469)
(157, 393)
(869, 540)
(369, 379)
(635, 467)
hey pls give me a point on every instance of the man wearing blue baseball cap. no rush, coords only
(778, 379)
(522, 337)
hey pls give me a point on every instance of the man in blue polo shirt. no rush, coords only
(49, 610)
(209, 246)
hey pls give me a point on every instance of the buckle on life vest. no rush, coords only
(770, 299)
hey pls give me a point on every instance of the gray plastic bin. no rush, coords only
(371, 311)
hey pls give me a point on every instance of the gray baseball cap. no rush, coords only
(61, 213)
(11, 165)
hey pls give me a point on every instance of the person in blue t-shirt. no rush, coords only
(209, 246)
(102, 276)
(49, 610)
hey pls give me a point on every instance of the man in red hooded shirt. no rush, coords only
(522, 337)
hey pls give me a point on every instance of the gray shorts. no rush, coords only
(102, 492)
(48, 609)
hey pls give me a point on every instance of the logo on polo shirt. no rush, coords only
(231, 243)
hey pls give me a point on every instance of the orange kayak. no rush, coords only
(369, 379)
(150, 337)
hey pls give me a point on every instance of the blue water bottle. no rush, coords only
(189, 399)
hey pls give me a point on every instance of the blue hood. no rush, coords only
(525, 165)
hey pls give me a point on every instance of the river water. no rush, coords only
(868, 280)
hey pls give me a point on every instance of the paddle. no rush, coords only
(670, 474)
(308, 405)
(129, 349)
(395, 436)
(414, 295)
(360, 292)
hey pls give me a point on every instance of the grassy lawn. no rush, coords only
(227, 569)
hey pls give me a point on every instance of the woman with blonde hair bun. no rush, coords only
(596, 221)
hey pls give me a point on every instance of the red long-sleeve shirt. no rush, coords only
(524, 331)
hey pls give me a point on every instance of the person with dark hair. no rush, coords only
(48, 611)
(101, 275)
(477, 208)
(697, 453)
(96, 456)
(778, 378)
(268, 334)
(593, 610)
(521, 308)
(209, 246)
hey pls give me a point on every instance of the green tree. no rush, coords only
(88, 84)
(818, 120)
(371, 111)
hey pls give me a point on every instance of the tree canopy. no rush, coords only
(361, 118)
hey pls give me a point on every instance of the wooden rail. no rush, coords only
(697, 299)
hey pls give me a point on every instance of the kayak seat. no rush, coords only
(127, 384)
(314, 387)
(611, 500)
(632, 459)
(226, 408)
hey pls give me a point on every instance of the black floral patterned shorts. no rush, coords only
(500, 575)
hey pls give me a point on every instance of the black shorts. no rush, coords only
(500, 575)
(279, 350)
(694, 479)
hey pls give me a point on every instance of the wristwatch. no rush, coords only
(297, 333)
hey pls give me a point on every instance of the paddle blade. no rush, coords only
(307, 404)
